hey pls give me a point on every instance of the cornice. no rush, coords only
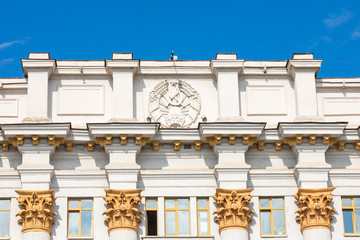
(116, 129)
(34, 64)
(41, 130)
(226, 129)
(335, 130)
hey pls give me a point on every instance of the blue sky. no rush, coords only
(194, 29)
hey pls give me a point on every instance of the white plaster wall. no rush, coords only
(13, 105)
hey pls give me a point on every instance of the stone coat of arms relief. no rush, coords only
(174, 103)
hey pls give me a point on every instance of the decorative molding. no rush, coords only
(122, 213)
(278, 145)
(123, 139)
(35, 140)
(232, 208)
(261, 145)
(291, 141)
(314, 208)
(155, 145)
(247, 140)
(357, 145)
(5, 146)
(36, 213)
(140, 140)
(177, 145)
(90, 146)
(327, 140)
(232, 139)
(52, 140)
(340, 145)
(68, 146)
(217, 139)
(312, 139)
(174, 103)
(18, 140)
(198, 145)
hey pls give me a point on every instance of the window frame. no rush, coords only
(197, 215)
(6, 210)
(176, 209)
(157, 216)
(79, 209)
(270, 209)
(352, 208)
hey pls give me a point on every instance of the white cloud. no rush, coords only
(355, 35)
(9, 44)
(336, 20)
(326, 39)
(6, 61)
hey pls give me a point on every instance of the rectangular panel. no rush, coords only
(339, 106)
(266, 100)
(9, 107)
(81, 100)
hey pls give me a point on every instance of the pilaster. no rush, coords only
(123, 68)
(38, 69)
(226, 69)
(304, 68)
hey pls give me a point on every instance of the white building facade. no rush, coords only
(225, 149)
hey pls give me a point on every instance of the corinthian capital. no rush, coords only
(122, 210)
(232, 208)
(314, 208)
(36, 214)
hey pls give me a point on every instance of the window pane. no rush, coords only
(4, 204)
(265, 222)
(183, 203)
(74, 204)
(151, 203)
(357, 220)
(348, 223)
(346, 202)
(4, 223)
(86, 223)
(277, 203)
(86, 204)
(170, 223)
(278, 219)
(264, 202)
(202, 203)
(356, 202)
(169, 203)
(73, 223)
(184, 225)
(203, 223)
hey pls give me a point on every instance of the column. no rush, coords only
(304, 68)
(315, 212)
(233, 214)
(123, 68)
(36, 215)
(38, 69)
(226, 69)
(122, 215)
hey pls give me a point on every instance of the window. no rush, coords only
(203, 216)
(272, 217)
(80, 218)
(351, 215)
(151, 216)
(177, 217)
(4, 217)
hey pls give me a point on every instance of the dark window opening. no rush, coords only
(151, 222)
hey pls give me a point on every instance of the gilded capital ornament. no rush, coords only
(314, 208)
(122, 213)
(232, 208)
(36, 214)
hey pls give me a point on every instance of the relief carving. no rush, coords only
(36, 214)
(232, 208)
(314, 208)
(122, 213)
(174, 103)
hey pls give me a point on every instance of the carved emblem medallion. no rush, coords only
(174, 103)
